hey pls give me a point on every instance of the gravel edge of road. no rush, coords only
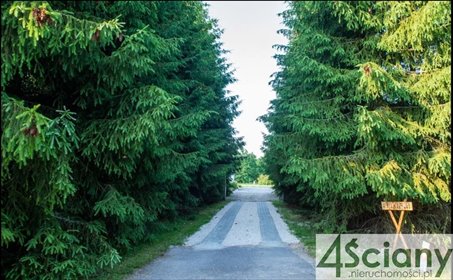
(282, 227)
(205, 229)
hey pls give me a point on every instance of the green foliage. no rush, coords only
(115, 117)
(168, 233)
(250, 169)
(363, 110)
(264, 180)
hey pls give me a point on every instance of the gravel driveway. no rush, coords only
(247, 239)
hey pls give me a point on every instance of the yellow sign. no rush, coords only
(401, 206)
(397, 205)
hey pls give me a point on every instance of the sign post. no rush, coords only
(401, 206)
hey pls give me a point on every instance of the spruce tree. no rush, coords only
(363, 110)
(114, 117)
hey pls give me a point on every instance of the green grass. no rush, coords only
(173, 233)
(300, 224)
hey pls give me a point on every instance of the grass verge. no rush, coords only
(300, 223)
(172, 233)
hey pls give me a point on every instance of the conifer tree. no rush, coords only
(114, 117)
(363, 110)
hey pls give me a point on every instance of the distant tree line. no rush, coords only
(251, 170)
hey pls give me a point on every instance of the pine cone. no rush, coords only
(367, 70)
(41, 16)
(31, 131)
(96, 35)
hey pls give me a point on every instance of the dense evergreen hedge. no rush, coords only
(114, 116)
(362, 112)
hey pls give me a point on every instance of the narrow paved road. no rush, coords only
(247, 239)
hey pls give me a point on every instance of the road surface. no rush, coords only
(247, 239)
